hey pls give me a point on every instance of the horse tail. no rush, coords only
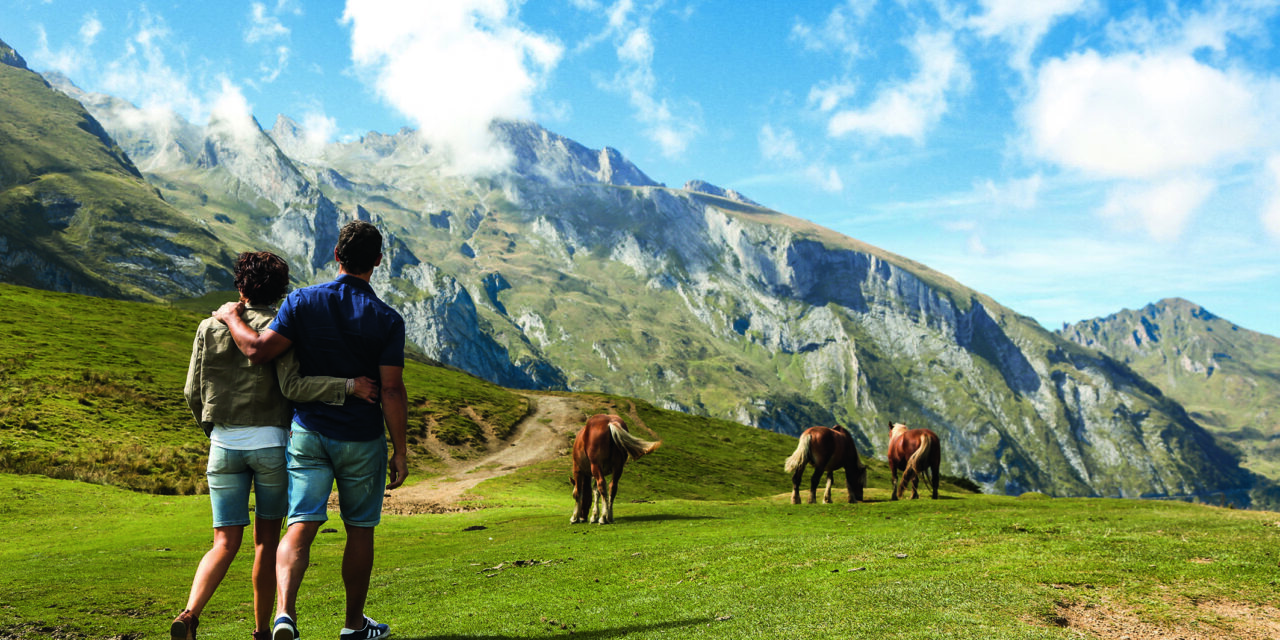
(915, 462)
(798, 458)
(635, 447)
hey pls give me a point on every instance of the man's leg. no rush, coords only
(292, 558)
(357, 567)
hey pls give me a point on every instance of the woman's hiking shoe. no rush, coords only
(371, 631)
(261, 635)
(285, 629)
(184, 626)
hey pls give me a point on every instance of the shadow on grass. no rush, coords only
(602, 633)
(659, 517)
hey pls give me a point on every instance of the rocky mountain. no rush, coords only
(76, 214)
(573, 269)
(1226, 376)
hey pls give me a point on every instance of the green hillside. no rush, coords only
(91, 389)
(76, 215)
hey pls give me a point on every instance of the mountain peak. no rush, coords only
(702, 186)
(9, 56)
(548, 156)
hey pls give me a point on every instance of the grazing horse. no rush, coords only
(827, 449)
(599, 450)
(916, 452)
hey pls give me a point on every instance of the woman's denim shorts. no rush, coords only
(231, 472)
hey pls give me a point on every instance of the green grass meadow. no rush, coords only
(96, 544)
(88, 561)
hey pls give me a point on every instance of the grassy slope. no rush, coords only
(91, 389)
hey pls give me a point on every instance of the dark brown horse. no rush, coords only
(915, 452)
(600, 450)
(827, 449)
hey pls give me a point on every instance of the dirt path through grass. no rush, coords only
(541, 435)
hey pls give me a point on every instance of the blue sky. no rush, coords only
(1068, 157)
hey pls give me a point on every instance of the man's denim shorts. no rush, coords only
(316, 461)
(231, 472)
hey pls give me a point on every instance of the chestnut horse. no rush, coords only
(916, 452)
(827, 449)
(599, 451)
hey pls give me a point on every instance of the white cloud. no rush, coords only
(1019, 194)
(263, 25)
(671, 127)
(272, 68)
(1022, 23)
(838, 32)
(452, 68)
(825, 178)
(828, 96)
(779, 145)
(90, 29)
(910, 108)
(144, 76)
(1161, 209)
(1271, 211)
(232, 113)
(1136, 116)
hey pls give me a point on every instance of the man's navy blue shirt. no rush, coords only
(341, 329)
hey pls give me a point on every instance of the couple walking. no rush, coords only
(337, 352)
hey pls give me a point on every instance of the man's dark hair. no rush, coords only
(262, 277)
(359, 245)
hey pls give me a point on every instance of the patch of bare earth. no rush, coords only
(1102, 617)
(542, 435)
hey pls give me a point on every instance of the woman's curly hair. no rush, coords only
(262, 277)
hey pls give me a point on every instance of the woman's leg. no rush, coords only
(266, 538)
(213, 567)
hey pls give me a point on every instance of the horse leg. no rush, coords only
(826, 497)
(602, 497)
(581, 497)
(893, 488)
(813, 484)
(613, 493)
(915, 484)
(933, 479)
(796, 477)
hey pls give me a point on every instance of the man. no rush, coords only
(341, 329)
(244, 411)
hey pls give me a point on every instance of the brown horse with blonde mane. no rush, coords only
(915, 452)
(600, 450)
(827, 449)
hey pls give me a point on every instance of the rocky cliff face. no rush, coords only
(574, 269)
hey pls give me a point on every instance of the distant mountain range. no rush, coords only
(573, 269)
(1226, 376)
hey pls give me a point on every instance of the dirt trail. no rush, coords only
(541, 435)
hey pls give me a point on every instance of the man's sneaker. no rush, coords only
(371, 631)
(184, 626)
(285, 629)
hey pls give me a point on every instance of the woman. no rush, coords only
(244, 409)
